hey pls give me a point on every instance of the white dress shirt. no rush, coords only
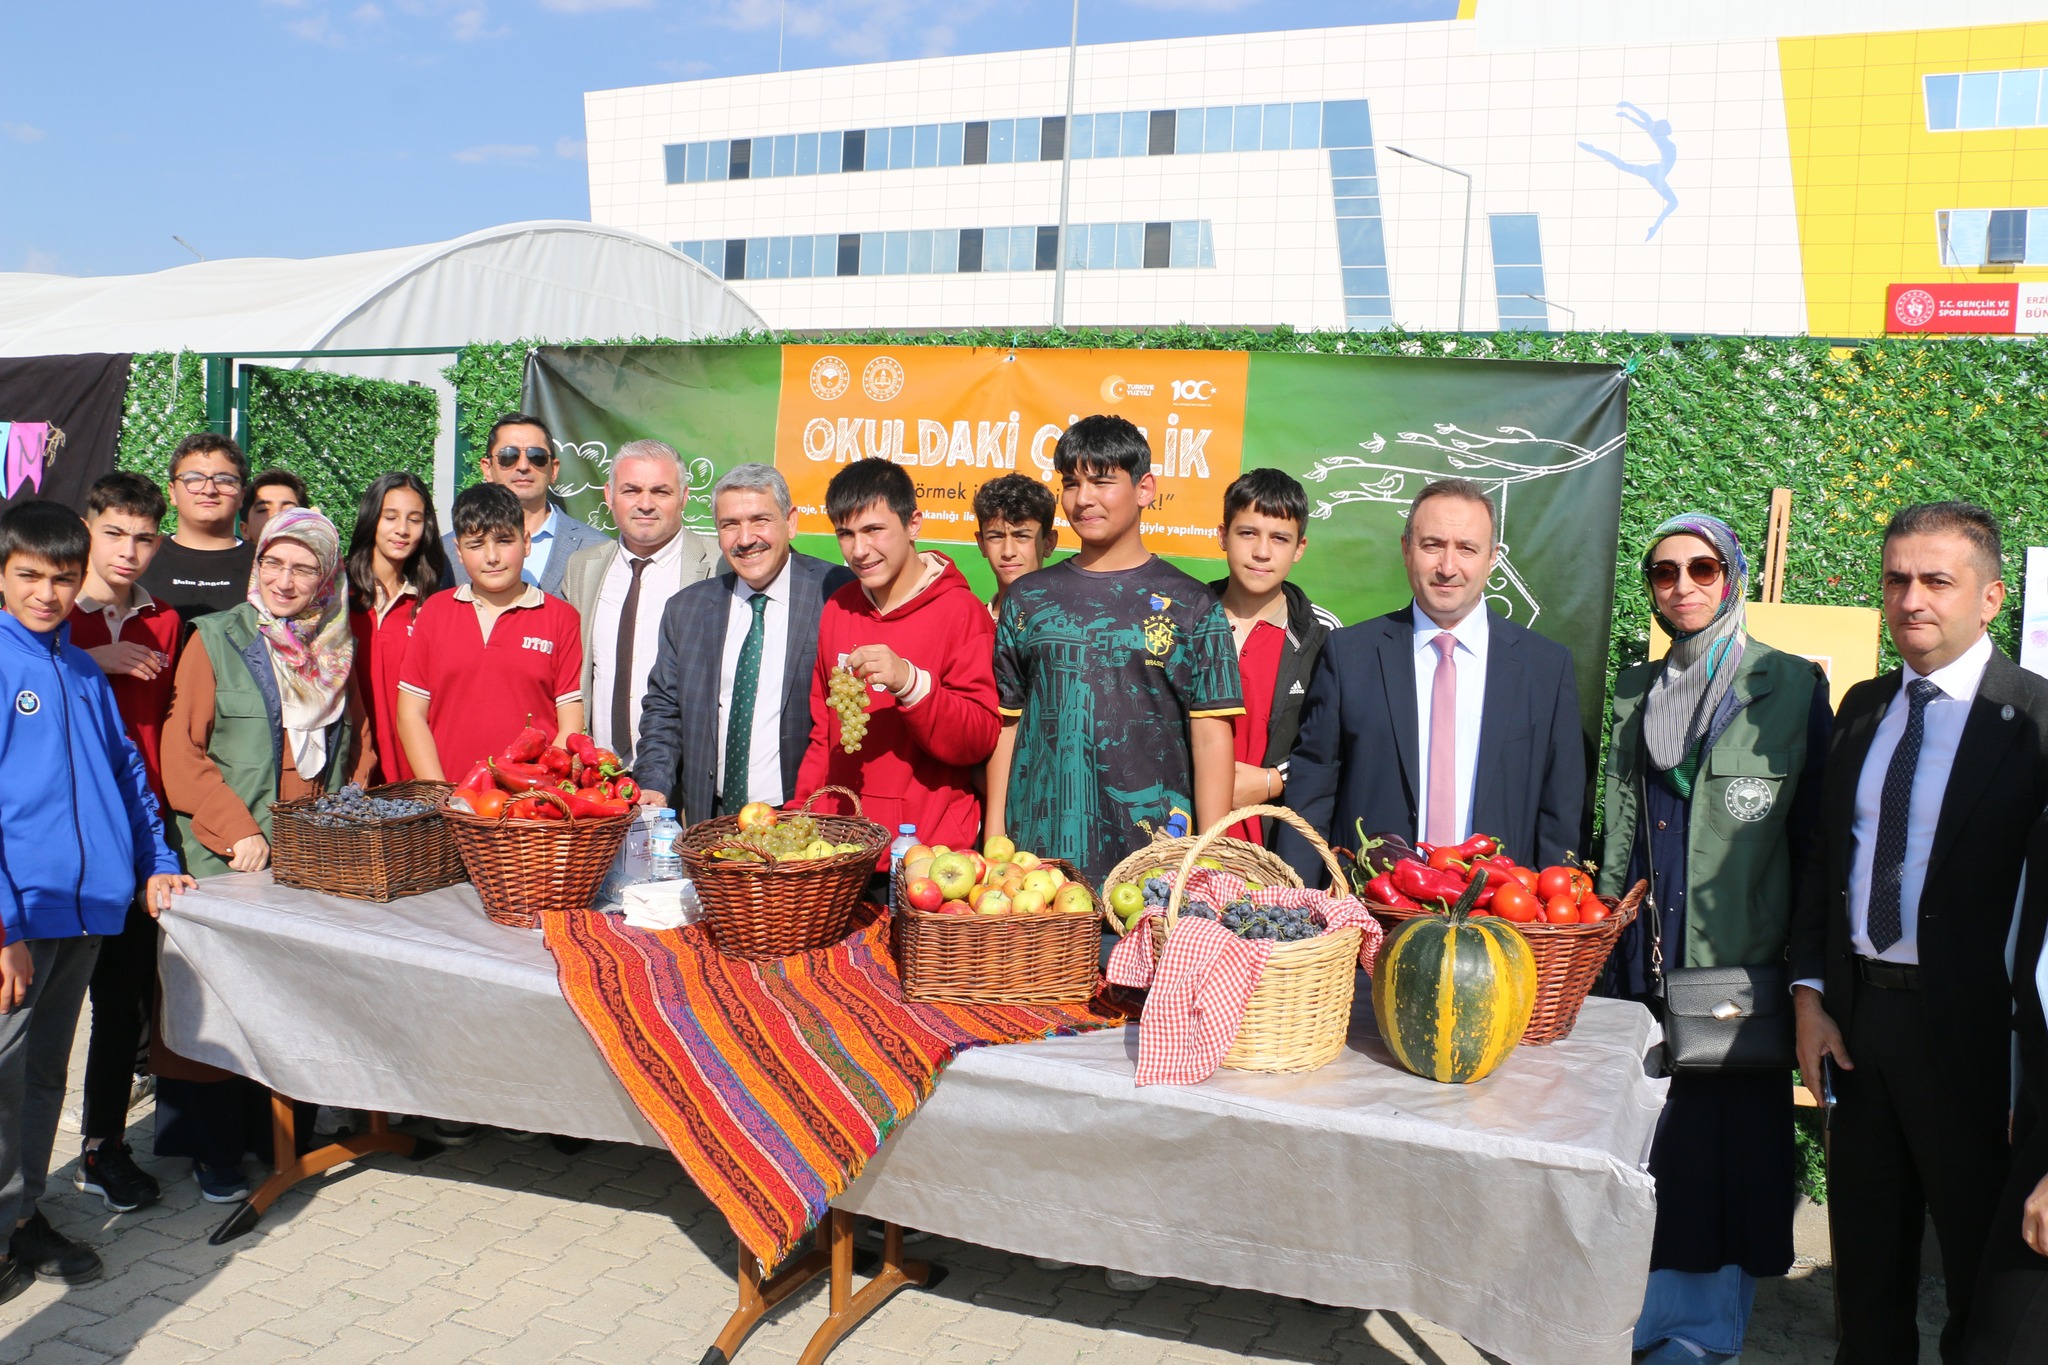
(542, 547)
(1469, 655)
(1942, 731)
(764, 749)
(659, 581)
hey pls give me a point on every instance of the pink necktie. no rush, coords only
(1442, 822)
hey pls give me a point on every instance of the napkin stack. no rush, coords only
(662, 905)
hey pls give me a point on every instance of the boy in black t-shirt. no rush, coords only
(203, 567)
(1116, 674)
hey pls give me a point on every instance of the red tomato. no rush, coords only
(1527, 876)
(489, 804)
(1446, 859)
(1517, 904)
(1561, 910)
(1555, 881)
(1592, 909)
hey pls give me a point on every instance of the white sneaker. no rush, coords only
(1048, 1263)
(328, 1121)
(1125, 1282)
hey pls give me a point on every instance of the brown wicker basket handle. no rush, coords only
(852, 796)
(1215, 832)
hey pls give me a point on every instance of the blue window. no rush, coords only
(1516, 239)
(1109, 135)
(871, 253)
(1024, 248)
(800, 257)
(693, 167)
(831, 153)
(1130, 246)
(757, 258)
(1205, 246)
(1941, 94)
(1308, 125)
(675, 162)
(1137, 132)
(1102, 246)
(1351, 163)
(1358, 208)
(1354, 185)
(926, 151)
(1084, 136)
(920, 253)
(1031, 140)
(876, 157)
(2005, 241)
(1217, 136)
(1962, 233)
(2019, 95)
(1245, 128)
(1980, 100)
(778, 258)
(1077, 247)
(717, 154)
(951, 136)
(1518, 271)
(1346, 123)
(825, 258)
(2037, 236)
(1187, 131)
(806, 153)
(1277, 129)
(903, 148)
(1185, 253)
(995, 249)
(1363, 280)
(945, 252)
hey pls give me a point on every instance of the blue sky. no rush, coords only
(307, 127)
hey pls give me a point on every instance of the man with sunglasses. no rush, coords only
(204, 567)
(520, 454)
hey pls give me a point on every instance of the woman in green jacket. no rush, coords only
(1713, 778)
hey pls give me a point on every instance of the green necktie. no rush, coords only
(739, 722)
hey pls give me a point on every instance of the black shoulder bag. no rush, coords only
(1715, 1018)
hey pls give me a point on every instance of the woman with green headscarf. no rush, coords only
(1713, 780)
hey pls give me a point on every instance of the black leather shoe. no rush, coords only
(15, 1277)
(53, 1256)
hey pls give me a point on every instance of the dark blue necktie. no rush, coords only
(1888, 859)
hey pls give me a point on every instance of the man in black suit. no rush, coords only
(1935, 773)
(737, 646)
(1443, 718)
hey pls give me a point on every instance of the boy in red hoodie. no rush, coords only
(914, 633)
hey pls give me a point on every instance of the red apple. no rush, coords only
(923, 893)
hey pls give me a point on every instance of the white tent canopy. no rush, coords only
(554, 279)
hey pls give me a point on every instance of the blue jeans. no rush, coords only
(1709, 1310)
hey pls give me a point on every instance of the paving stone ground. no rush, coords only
(510, 1253)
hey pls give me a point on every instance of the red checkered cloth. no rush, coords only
(1206, 974)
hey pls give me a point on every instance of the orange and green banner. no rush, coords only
(1362, 433)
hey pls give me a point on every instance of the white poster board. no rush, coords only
(2034, 613)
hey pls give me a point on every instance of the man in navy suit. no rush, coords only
(1441, 719)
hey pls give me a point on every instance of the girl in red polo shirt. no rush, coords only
(395, 562)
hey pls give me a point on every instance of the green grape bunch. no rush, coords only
(848, 696)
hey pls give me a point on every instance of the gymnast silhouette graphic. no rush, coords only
(1656, 174)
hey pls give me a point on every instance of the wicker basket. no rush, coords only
(370, 860)
(1043, 959)
(1568, 960)
(523, 867)
(1298, 1015)
(770, 910)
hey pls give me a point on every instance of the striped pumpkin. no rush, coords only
(1453, 995)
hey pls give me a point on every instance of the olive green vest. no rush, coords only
(248, 728)
(1738, 895)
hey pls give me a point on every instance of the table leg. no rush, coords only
(290, 1168)
(834, 1256)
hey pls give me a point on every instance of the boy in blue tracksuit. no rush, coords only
(79, 833)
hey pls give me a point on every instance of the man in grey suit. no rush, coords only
(621, 589)
(727, 715)
(520, 454)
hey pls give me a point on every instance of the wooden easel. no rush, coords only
(1772, 587)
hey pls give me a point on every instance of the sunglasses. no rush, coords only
(540, 457)
(1705, 571)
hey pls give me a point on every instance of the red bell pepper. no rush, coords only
(1427, 884)
(1382, 891)
(1478, 846)
(590, 805)
(530, 745)
(520, 777)
(556, 760)
(582, 746)
(540, 804)
(625, 789)
(478, 778)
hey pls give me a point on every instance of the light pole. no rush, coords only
(1464, 260)
(1551, 303)
(1059, 262)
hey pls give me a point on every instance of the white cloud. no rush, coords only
(570, 148)
(315, 28)
(366, 14)
(871, 30)
(497, 154)
(471, 22)
(23, 132)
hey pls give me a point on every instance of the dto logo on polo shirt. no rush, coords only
(540, 643)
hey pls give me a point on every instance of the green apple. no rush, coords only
(1128, 900)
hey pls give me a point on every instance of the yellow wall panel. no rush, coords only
(1868, 176)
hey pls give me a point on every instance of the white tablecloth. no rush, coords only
(1515, 1212)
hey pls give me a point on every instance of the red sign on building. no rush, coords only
(1994, 308)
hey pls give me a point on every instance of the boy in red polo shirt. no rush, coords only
(917, 636)
(132, 638)
(490, 656)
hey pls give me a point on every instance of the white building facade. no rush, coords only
(1243, 180)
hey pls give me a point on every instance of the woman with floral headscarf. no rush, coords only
(262, 712)
(1713, 779)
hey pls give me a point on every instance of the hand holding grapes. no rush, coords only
(881, 665)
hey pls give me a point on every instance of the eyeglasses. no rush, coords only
(1705, 571)
(540, 457)
(271, 567)
(195, 481)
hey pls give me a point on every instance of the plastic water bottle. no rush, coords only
(906, 839)
(665, 863)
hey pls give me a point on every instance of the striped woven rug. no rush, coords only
(772, 1082)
